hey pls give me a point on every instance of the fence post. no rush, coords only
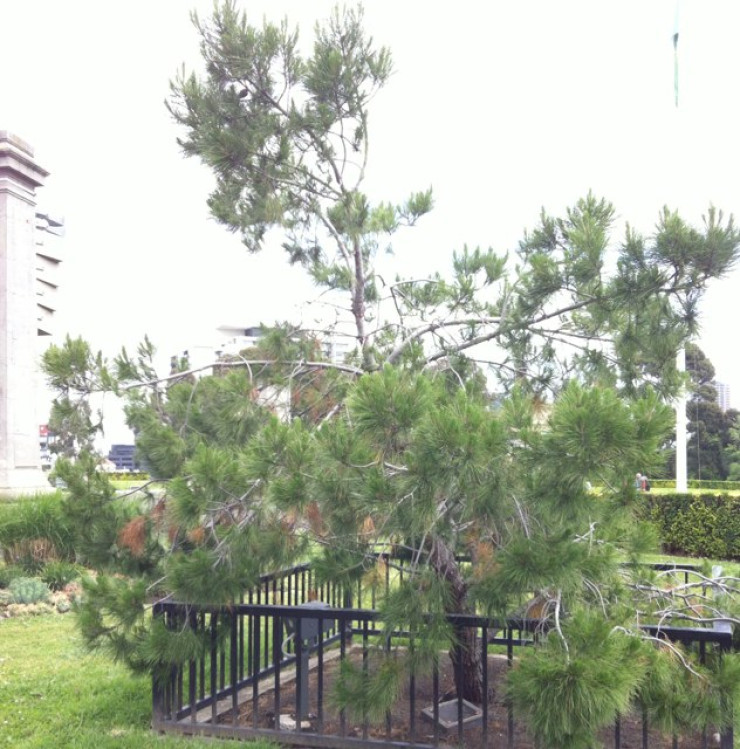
(727, 737)
(157, 687)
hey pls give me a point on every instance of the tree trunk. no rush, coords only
(465, 652)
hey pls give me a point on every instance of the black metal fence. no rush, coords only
(264, 668)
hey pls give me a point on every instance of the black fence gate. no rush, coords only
(267, 665)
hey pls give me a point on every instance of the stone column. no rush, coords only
(20, 457)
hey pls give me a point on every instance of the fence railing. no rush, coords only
(264, 668)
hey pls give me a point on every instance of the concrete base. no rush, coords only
(21, 482)
(289, 723)
(447, 712)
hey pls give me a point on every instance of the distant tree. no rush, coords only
(707, 424)
(712, 433)
(733, 449)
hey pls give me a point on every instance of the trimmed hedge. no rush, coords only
(128, 476)
(727, 486)
(701, 525)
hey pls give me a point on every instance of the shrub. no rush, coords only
(31, 554)
(707, 525)
(29, 609)
(569, 696)
(8, 573)
(58, 574)
(36, 529)
(128, 476)
(29, 590)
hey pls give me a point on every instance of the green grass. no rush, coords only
(53, 693)
(698, 492)
(729, 568)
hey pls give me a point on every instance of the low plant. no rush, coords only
(129, 476)
(35, 529)
(31, 554)
(9, 572)
(30, 609)
(29, 590)
(63, 606)
(58, 574)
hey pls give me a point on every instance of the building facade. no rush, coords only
(723, 395)
(124, 457)
(49, 230)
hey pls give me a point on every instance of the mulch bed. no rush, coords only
(399, 730)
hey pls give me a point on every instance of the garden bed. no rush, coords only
(399, 729)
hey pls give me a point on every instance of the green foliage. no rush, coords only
(57, 574)
(107, 534)
(73, 371)
(400, 460)
(408, 464)
(166, 647)
(366, 691)
(213, 411)
(677, 699)
(287, 140)
(36, 518)
(8, 573)
(418, 606)
(722, 486)
(386, 407)
(569, 692)
(128, 476)
(112, 618)
(714, 439)
(707, 525)
(600, 433)
(434, 473)
(28, 590)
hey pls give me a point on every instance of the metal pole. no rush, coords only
(303, 681)
(681, 475)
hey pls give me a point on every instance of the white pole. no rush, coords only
(681, 477)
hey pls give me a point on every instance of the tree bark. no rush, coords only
(465, 653)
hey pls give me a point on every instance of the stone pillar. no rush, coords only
(20, 456)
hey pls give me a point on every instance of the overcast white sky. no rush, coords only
(503, 107)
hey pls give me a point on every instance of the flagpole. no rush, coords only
(681, 468)
(681, 441)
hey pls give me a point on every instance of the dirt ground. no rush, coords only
(400, 728)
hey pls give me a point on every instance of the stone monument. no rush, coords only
(20, 457)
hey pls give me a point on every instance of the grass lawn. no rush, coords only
(55, 694)
(729, 568)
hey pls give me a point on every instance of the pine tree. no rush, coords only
(287, 138)
(410, 467)
(401, 449)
